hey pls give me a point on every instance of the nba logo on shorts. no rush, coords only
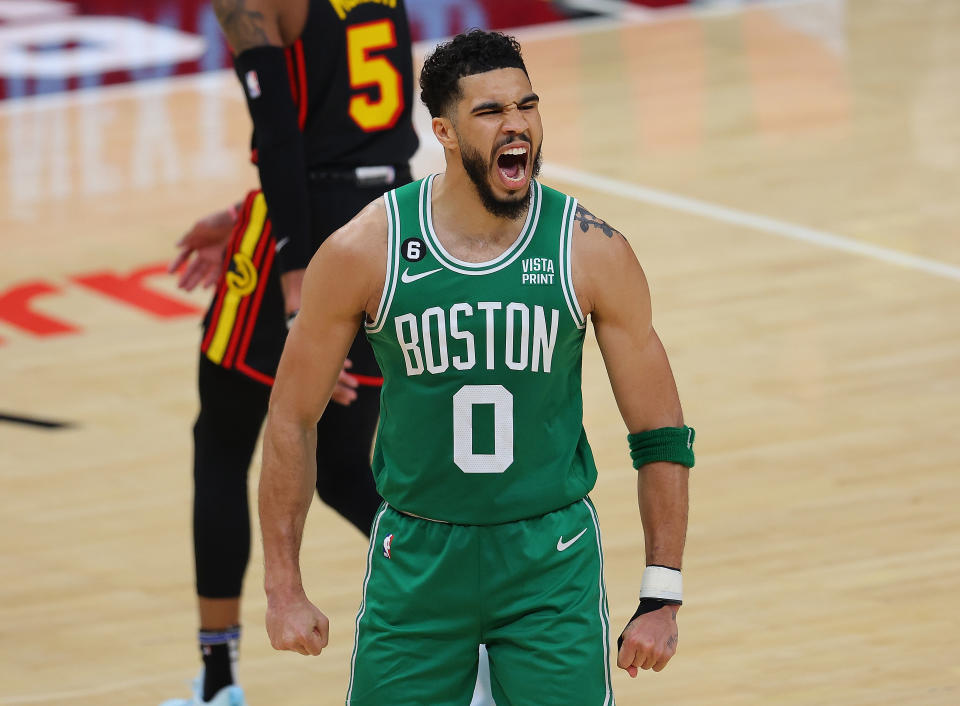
(253, 84)
(387, 541)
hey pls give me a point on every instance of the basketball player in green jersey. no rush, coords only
(474, 286)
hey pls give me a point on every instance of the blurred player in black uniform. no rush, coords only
(329, 86)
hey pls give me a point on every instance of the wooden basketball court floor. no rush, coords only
(788, 175)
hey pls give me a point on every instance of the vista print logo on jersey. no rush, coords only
(537, 270)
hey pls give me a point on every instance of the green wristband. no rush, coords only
(673, 444)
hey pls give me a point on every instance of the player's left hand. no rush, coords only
(345, 391)
(296, 624)
(649, 641)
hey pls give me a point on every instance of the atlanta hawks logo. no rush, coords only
(243, 280)
(387, 541)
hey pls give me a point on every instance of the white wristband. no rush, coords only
(663, 583)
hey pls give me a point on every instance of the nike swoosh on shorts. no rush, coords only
(561, 545)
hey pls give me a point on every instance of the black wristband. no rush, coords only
(647, 605)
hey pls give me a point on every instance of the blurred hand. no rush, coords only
(201, 251)
(345, 391)
(291, 282)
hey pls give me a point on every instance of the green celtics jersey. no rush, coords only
(481, 414)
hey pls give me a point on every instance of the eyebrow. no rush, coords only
(493, 105)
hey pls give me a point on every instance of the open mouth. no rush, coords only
(512, 165)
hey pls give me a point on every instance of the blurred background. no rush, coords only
(788, 173)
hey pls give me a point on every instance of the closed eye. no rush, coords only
(529, 102)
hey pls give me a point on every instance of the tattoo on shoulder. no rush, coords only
(587, 219)
(243, 27)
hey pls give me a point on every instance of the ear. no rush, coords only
(445, 133)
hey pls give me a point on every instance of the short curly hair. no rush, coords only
(473, 52)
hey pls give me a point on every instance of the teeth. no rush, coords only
(517, 150)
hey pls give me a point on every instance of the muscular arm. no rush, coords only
(646, 393)
(256, 31)
(613, 290)
(314, 351)
(341, 281)
(618, 299)
(248, 23)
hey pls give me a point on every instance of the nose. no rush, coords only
(514, 121)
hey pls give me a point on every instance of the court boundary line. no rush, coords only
(752, 221)
(635, 192)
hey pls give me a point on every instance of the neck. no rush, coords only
(462, 222)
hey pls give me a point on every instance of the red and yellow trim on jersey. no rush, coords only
(241, 364)
(241, 291)
(297, 73)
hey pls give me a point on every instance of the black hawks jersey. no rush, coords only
(351, 78)
(351, 74)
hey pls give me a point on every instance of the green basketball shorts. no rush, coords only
(531, 590)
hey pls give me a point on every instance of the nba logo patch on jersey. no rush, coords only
(253, 84)
(387, 541)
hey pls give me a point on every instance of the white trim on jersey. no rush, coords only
(604, 611)
(393, 262)
(363, 602)
(463, 267)
(566, 270)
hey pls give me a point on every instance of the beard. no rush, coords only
(478, 169)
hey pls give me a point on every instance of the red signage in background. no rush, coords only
(50, 46)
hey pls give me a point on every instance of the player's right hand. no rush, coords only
(206, 241)
(295, 624)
